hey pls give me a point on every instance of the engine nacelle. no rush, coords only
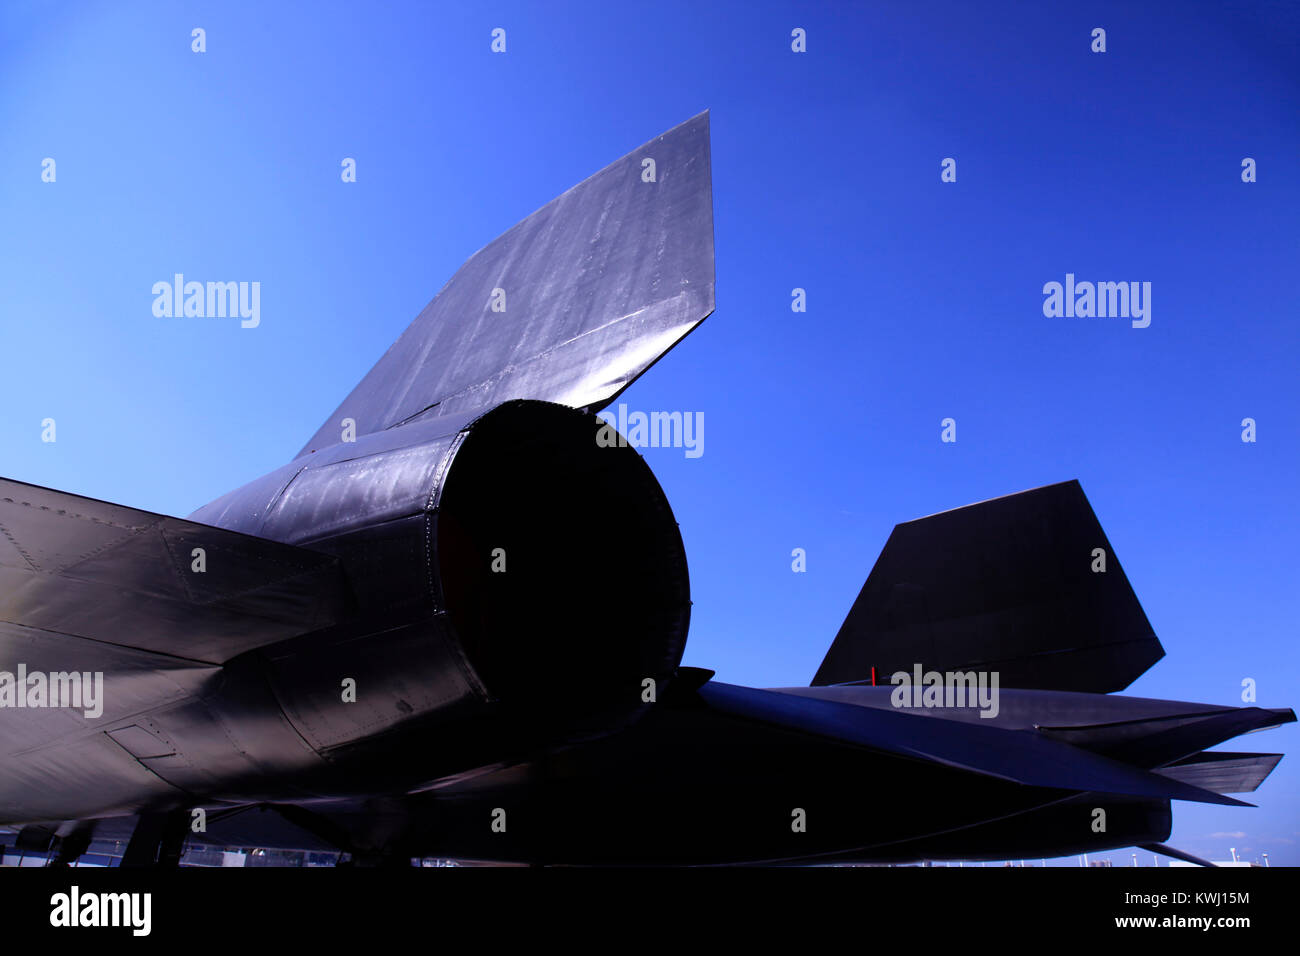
(481, 555)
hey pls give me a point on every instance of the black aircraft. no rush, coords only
(393, 646)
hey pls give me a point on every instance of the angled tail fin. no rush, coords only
(1006, 585)
(570, 305)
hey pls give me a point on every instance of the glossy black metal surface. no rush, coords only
(401, 634)
(1008, 585)
(102, 572)
(569, 306)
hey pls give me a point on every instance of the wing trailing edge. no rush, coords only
(1223, 772)
(1026, 757)
(1170, 739)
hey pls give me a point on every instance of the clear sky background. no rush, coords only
(822, 429)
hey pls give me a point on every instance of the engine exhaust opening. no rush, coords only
(560, 563)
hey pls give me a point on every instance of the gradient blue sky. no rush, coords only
(821, 429)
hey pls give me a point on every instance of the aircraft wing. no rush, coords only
(1019, 756)
(75, 570)
(90, 588)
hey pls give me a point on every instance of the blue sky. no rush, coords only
(822, 428)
